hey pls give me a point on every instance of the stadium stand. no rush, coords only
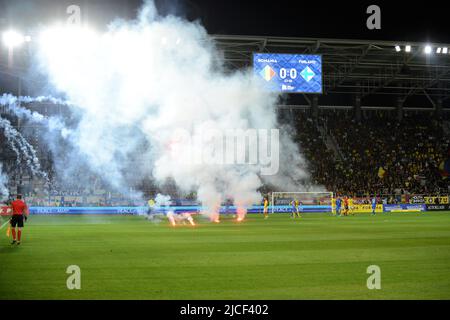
(377, 155)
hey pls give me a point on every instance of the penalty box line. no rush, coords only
(3, 225)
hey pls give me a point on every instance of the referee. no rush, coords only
(20, 212)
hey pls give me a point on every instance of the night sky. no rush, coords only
(400, 20)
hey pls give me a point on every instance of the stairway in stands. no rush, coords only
(330, 142)
(446, 128)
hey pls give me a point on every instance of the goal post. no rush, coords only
(306, 201)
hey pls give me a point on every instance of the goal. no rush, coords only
(308, 201)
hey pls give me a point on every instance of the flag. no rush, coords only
(444, 168)
(381, 172)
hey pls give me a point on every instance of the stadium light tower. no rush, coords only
(13, 39)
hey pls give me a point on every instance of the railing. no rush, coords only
(404, 198)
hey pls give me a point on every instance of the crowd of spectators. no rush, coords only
(377, 155)
(312, 146)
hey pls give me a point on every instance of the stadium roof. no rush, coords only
(375, 71)
(359, 67)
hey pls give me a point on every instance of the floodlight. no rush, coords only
(408, 48)
(438, 50)
(427, 49)
(12, 38)
(445, 50)
(398, 49)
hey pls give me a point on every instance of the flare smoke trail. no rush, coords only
(9, 99)
(16, 140)
(4, 193)
(21, 147)
(142, 80)
(57, 138)
(52, 124)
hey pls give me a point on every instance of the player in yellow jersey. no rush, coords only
(350, 205)
(150, 209)
(333, 206)
(266, 208)
(297, 206)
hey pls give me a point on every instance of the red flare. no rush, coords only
(241, 212)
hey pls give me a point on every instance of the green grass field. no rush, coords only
(315, 257)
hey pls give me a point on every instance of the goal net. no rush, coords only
(306, 201)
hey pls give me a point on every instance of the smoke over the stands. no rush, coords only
(141, 81)
(4, 193)
(25, 152)
(162, 200)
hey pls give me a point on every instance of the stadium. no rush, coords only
(158, 161)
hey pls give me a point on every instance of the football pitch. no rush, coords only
(316, 257)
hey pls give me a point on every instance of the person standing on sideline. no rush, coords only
(19, 213)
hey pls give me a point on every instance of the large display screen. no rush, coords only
(299, 73)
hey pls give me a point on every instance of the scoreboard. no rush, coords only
(296, 73)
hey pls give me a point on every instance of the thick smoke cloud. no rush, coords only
(143, 81)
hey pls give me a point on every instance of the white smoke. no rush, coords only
(142, 80)
(25, 152)
(13, 104)
(57, 137)
(162, 200)
(4, 192)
